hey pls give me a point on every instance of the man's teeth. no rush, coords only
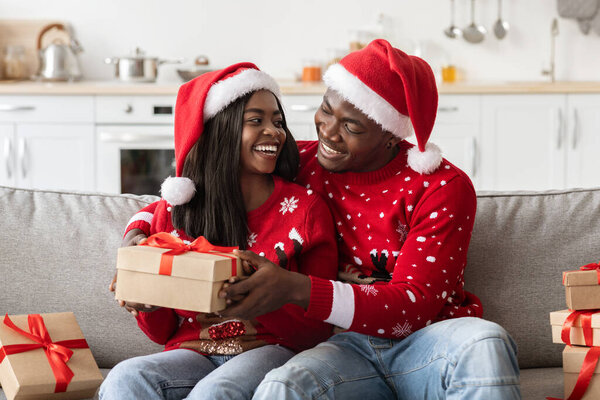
(329, 149)
(266, 148)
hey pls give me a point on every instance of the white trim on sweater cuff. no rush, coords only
(342, 308)
(141, 216)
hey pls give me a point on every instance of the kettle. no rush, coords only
(58, 60)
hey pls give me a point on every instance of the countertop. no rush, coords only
(287, 87)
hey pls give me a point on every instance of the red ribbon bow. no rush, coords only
(586, 326)
(58, 353)
(200, 245)
(590, 267)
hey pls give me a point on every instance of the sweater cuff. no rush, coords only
(142, 225)
(321, 298)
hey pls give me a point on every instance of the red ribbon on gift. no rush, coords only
(58, 353)
(200, 245)
(586, 326)
(590, 267)
(585, 374)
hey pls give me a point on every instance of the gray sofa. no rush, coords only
(57, 253)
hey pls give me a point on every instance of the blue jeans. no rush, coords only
(463, 358)
(186, 374)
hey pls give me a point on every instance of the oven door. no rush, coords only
(134, 158)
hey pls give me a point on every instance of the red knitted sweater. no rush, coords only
(294, 229)
(403, 240)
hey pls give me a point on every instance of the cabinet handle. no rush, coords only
(474, 156)
(23, 157)
(12, 107)
(132, 137)
(8, 156)
(448, 109)
(559, 129)
(575, 129)
(303, 107)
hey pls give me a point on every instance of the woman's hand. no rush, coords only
(136, 308)
(132, 238)
(266, 290)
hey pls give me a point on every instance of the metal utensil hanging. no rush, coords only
(474, 33)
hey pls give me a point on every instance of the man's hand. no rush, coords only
(266, 290)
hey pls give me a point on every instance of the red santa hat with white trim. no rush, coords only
(393, 89)
(199, 100)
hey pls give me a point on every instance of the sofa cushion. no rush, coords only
(538, 383)
(522, 241)
(59, 254)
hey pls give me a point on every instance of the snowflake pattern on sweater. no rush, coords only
(300, 239)
(403, 240)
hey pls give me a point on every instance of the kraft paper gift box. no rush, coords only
(188, 281)
(573, 360)
(582, 289)
(558, 318)
(31, 352)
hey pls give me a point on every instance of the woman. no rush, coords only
(235, 157)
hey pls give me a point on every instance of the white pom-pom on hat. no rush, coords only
(177, 190)
(425, 162)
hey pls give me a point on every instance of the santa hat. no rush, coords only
(390, 86)
(199, 100)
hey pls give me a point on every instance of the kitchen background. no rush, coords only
(508, 126)
(282, 35)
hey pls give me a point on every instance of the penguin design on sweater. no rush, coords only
(297, 242)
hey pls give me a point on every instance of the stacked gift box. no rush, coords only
(579, 328)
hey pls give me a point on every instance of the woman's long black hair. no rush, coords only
(217, 210)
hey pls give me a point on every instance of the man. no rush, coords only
(404, 218)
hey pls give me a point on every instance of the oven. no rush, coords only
(134, 142)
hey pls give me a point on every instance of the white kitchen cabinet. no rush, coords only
(457, 132)
(583, 140)
(523, 142)
(300, 115)
(47, 142)
(540, 142)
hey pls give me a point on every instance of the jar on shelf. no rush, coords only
(14, 62)
(311, 71)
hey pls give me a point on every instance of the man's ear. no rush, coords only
(393, 140)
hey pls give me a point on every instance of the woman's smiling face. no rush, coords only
(263, 134)
(348, 139)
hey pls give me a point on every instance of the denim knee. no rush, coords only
(468, 330)
(120, 378)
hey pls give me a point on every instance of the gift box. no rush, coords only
(169, 273)
(578, 374)
(45, 356)
(582, 289)
(581, 325)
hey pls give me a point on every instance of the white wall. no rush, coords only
(279, 35)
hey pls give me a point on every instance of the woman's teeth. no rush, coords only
(266, 148)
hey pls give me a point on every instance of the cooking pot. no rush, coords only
(137, 67)
(58, 60)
